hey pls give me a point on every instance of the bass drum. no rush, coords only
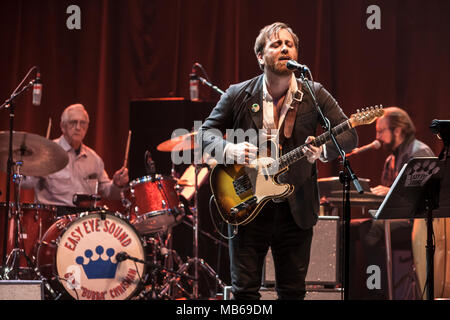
(78, 256)
(441, 258)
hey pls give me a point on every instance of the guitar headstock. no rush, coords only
(366, 116)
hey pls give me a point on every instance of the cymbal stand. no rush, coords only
(14, 256)
(10, 105)
(195, 261)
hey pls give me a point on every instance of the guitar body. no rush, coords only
(240, 191)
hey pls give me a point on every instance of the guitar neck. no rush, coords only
(297, 154)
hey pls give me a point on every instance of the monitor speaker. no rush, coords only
(21, 290)
(325, 258)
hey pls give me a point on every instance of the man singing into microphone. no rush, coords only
(279, 103)
(84, 174)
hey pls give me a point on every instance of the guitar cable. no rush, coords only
(236, 228)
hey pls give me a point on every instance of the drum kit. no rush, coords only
(97, 253)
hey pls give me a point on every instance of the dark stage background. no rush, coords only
(128, 50)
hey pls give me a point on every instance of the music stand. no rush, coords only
(415, 194)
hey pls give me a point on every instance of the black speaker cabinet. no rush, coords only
(325, 258)
(152, 121)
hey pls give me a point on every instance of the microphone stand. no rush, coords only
(157, 266)
(209, 84)
(10, 104)
(345, 176)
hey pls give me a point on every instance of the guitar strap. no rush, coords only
(291, 114)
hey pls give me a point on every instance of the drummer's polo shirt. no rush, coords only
(84, 174)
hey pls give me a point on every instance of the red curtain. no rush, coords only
(135, 49)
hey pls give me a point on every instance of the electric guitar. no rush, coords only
(241, 191)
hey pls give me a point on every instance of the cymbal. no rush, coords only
(184, 142)
(39, 156)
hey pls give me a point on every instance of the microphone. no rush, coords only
(122, 256)
(375, 144)
(149, 163)
(37, 90)
(294, 65)
(193, 85)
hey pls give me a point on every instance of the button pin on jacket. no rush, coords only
(255, 107)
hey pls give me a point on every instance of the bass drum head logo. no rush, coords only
(86, 258)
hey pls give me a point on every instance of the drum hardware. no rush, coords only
(188, 142)
(195, 261)
(153, 293)
(8, 155)
(158, 280)
(86, 200)
(204, 233)
(12, 264)
(13, 258)
(33, 155)
(170, 258)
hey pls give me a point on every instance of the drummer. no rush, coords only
(84, 174)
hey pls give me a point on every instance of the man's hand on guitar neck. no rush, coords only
(311, 152)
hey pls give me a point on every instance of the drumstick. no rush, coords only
(127, 149)
(49, 127)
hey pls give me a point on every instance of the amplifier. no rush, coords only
(21, 290)
(324, 264)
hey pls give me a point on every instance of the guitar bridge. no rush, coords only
(242, 184)
(244, 205)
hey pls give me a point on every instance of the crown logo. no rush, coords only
(420, 174)
(98, 269)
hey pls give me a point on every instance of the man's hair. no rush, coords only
(265, 34)
(399, 118)
(65, 114)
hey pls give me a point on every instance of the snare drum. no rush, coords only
(154, 203)
(78, 255)
(35, 220)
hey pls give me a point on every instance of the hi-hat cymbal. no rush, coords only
(184, 142)
(39, 156)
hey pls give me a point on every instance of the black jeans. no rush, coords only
(274, 227)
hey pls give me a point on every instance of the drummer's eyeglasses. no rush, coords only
(73, 123)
